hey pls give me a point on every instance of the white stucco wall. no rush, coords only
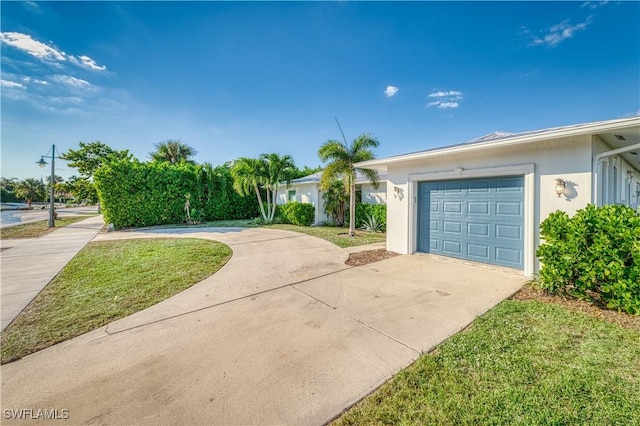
(568, 159)
(370, 195)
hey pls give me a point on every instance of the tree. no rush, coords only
(92, 156)
(249, 175)
(263, 175)
(279, 169)
(7, 189)
(89, 158)
(335, 199)
(305, 171)
(30, 190)
(172, 151)
(341, 158)
(82, 189)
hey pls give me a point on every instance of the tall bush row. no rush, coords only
(134, 194)
(594, 255)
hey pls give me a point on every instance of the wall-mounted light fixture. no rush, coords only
(560, 187)
(398, 193)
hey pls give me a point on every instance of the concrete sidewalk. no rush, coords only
(29, 265)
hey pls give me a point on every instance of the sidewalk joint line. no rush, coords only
(222, 303)
(359, 321)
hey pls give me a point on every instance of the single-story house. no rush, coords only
(483, 200)
(307, 190)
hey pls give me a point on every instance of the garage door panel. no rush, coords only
(509, 231)
(480, 219)
(478, 207)
(452, 227)
(478, 251)
(452, 247)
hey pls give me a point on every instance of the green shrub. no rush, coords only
(134, 194)
(593, 255)
(297, 213)
(365, 211)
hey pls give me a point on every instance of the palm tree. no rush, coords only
(172, 151)
(335, 200)
(30, 189)
(342, 158)
(249, 174)
(279, 169)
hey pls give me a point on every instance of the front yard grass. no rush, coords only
(523, 363)
(106, 281)
(336, 235)
(38, 229)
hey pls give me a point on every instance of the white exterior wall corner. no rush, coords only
(565, 158)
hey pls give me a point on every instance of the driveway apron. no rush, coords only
(285, 333)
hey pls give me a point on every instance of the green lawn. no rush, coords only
(106, 281)
(336, 235)
(38, 229)
(522, 363)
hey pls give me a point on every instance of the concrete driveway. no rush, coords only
(285, 333)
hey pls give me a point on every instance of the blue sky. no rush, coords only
(241, 78)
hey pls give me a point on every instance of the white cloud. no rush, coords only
(33, 47)
(560, 32)
(87, 62)
(594, 4)
(28, 79)
(11, 84)
(390, 91)
(450, 93)
(72, 81)
(445, 99)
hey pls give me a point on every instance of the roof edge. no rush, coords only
(516, 139)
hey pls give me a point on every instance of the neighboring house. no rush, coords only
(484, 200)
(307, 190)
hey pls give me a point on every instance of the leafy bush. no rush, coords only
(297, 213)
(364, 211)
(144, 194)
(593, 255)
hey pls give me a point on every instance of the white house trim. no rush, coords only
(508, 140)
(597, 196)
(526, 170)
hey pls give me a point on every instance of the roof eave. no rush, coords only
(600, 127)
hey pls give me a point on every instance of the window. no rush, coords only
(291, 195)
(358, 194)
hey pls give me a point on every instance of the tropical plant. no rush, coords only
(279, 168)
(262, 175)
(7, 189)
(30, 190)
(371, 224)
(335, 199)
(341, 158)
(172, 151)
(249, 175)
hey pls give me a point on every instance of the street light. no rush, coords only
(43, 163)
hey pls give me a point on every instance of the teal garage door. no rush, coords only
(473, 219)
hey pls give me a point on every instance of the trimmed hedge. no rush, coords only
(593, 255)
(297, 213)
(134, 194)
